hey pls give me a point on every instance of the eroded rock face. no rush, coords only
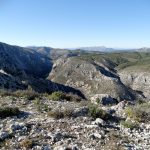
(21, 68)
(10, 82)
(19, 65)
(89, 77)
(138, 81)
(19, 61)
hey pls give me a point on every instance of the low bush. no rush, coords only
(57, 96)
(113, 142)
(129, 124)
(9, 111)
(28, 94)
(58, 114)
(41, 106)
(139, 112)
(96, 112)
(4, 93)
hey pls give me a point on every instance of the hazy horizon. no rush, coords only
(77, 47)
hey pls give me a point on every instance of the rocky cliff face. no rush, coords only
(21, 68)
(90, 77)
(10, 82)
(19, 61)
(18, 65)
(138, 81)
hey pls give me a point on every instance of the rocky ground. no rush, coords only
(37, 128)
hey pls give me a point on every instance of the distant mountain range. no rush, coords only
(106, 49)
(144, 49)
(96, 48)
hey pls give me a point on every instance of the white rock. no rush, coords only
(95, 136)
(21, 138)
(91, 126)
(59, 148)
(99, 122)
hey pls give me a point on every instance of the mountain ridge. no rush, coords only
(84, 71)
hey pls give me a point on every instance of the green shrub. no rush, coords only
(139, 112)
(9, 111)
(37, 101)
(129, 124)
(96, 112)
(129, 111)
(97, 101)
(56, 96)
(41, 106)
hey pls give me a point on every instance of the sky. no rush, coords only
(75, 23)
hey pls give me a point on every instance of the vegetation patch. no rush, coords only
(9, 111)
(41, 106)
(113, 141)
(96, 112)
(57, 96)
(58, 113)
(139, 112)
(130, 124)
(28, 94)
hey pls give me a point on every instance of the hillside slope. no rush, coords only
(104, 73)
(19, 61)
(90, 77)
(21, 68)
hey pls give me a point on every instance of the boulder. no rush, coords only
(95, 136)
(4, 135)
(103, 99)
(18, 126)
(99, 122)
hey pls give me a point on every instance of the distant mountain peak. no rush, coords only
(96, 48)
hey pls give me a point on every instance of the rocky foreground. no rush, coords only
(48, 123)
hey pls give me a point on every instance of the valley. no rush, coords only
(61, 99)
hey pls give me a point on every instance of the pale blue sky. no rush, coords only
(75, 23)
